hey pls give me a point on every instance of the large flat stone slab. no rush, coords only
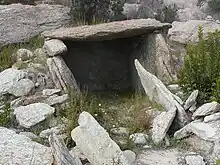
(19, 149)
(108, 31)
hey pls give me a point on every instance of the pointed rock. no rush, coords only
(95, 143)
(191, 101)
(161, 125)
(158, 92)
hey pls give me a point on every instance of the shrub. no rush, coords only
(215, 5)
(99, 10)
(167, 13)
(201, 66)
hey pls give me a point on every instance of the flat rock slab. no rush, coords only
(108, 31)
(206, 131)
(33, 114)
(19, 149)
(159, 157)
(21, 22)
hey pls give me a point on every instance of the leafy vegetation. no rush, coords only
(6, 52)
(215, 5)
(96, 11)
(168, 13)
(201, 67)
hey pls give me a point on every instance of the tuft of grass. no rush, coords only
(7, 58)
(218, 162)
(6, 116)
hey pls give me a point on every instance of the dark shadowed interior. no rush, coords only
(102, 66)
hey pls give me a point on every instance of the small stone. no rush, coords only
(121, 131)
(24, 55)
(49, 92)
(58, 130)
(21, 88)
(209, 18)
(75, 151)
(174, 88)
(139, 138)
(55, 47)
(207, 109)
(194, 160)
(191, 101)
(54, 99)
(130, 155)
(213, 117)
(32, 114)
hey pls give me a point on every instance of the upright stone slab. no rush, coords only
(158, 92)
(95, 142)
(61, 74)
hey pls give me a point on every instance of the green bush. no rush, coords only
(96, 11)
(5, 116)
(167, 13)
(215, 5)
(201, 67)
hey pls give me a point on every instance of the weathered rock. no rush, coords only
(207, 109)
(19, 149)
(216, 152)
(24, 54)
(139, 138)
(55, 47)
(32, 21)
(197, 144)
(8, 78)
(186, 14)
(21, 88)
(207, 131)
(121, 131)
(108, 31)
(58, 130)
(75, 151)
(61, 74)
(161, 125)
(213, 117)
(54, 99)
(130, 155)
(159, 157)
(163, 60)
(33, 114)
(174, 88)
(157, 91)
(95, 142)
(131, 10)
(61, 153)
(181, 4)
(184, 32)
(191, 101)
(194, 160)
(49, 92)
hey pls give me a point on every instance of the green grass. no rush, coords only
(5, 116)
(7, 58)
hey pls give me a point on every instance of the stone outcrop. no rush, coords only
(55, 47)
(95, 142)
(108, 31)
(19, 149)
(21, 22)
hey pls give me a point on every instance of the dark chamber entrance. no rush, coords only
(102, 66)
